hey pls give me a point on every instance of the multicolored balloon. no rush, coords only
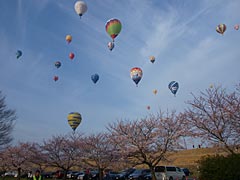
(155, 91)
(95, 78)
(110, 46)
(74, 119)
(68, 38)
(236, 27)
(136, 74)
(18, 54)
(80, 8)
(71, 55)
(173, 86)
(55, 78)
(152, 59)
(113, 28)
(58, 64)
(221, 28)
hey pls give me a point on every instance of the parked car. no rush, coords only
(76, 174)
(138, 174)
(80, 176)
(169, 173)
(70, 174)
(123, 175)
(59, 174)
(10, 174)
(186, 171)
(47, 175)
(148, 176)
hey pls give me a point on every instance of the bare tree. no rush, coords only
(214, 116)
(147, 141)
(62, 152)
(99, 152)
(7, 118)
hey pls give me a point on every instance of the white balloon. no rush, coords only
(80, 7)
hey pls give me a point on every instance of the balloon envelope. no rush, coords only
(110, 46)
(95, 78)
(71, 55)
(58, 64)
(221, 28)
(80, 7)
(113, 27)
(68, 38)
(136, 74)
(236, 27)
(74, 119)
(155, 91)
(173, 86)
(18, 54)
(148, 107)
(55, 78)
(152, 59)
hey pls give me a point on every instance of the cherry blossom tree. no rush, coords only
(17, 157)
(146, 141)
(99, 152)
(62, 152)
(214, 116)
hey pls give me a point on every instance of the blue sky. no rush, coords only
(179, 33)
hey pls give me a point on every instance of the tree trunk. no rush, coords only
(153, 173)
(19, 174)
(65, 174)
(100, 170)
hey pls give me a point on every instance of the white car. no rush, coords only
(169, 173)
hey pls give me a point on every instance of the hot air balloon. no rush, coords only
(80, 8)
(55, 78)
(173, 86)
(68, 38)
(221, 28)
(113, 28)
(95, 78)
(71, 55)
(148, 107)
(74, 119)
(236, 27)
(18, 54)
(58, 64)
(211, 86)
(152, 59)
(136, 74)
(110, 46)
(155, 91)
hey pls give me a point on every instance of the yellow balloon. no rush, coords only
(68, 38)
(74, 119)
(155, 91)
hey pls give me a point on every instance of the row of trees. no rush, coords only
(213, 116)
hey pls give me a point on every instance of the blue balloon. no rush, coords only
(95, 78)
(173, 86)
(18, 54)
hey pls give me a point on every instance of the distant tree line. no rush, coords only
(213, 116)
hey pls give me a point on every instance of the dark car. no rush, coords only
(123, 175)
(139, 174)
(186, 171)
(113, 175)
(47, 175)
(148, 176)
